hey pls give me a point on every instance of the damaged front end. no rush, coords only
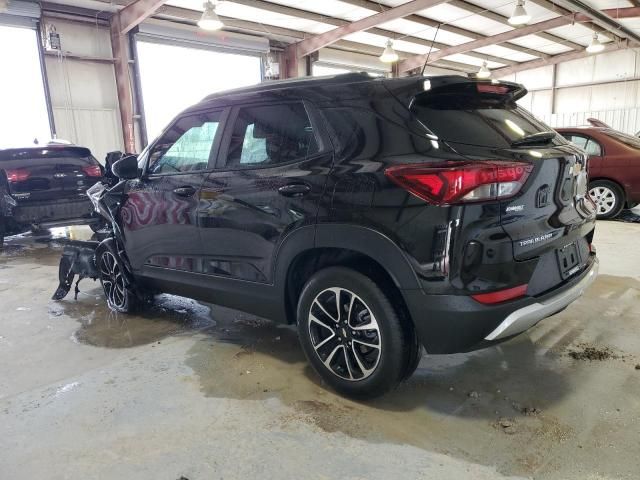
(78, 258)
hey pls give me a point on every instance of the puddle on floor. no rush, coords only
(167, 316)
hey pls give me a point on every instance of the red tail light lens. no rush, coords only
(92, 171)
(501, 295)
(461, 182)
(17, 175)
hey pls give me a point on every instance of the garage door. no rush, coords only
(178, 68)
(24, 110)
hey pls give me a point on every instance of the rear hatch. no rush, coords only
(49, 173)
(551, 214)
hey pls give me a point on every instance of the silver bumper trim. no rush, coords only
(527, 317)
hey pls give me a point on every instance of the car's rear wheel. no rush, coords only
(352, 335)
(119, 296)
(608, 197)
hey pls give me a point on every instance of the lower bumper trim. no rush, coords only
(527, 317)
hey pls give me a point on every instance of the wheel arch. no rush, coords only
(363, 249)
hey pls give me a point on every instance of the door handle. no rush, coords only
(184, 191)
(294, 190)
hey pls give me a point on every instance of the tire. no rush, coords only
(378, 358)
(120, 298)
(608, 197)
(98, 226)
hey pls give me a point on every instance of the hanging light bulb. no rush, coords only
(209, 19)
(519, 15)
(389, 55)
(595, 46)
(484, 72)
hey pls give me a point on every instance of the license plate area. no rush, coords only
(568, 260)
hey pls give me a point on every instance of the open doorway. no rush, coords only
(175, 77)
(24, 116)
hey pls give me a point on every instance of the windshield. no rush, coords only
(624, 138)
(483, 120)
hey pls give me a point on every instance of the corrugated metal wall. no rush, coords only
(604, 86)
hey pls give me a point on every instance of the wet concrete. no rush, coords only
(201, 391)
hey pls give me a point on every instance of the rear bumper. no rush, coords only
(54, 213)
(457, 323)
(527, 317)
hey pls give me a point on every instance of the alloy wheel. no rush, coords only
(345, 334)
(112, 280)
(604, 198)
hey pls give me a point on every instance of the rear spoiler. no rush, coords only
(414, 87)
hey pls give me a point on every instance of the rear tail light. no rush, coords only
(17, 175)
(92, 171)
(461, 182)
(501, 295)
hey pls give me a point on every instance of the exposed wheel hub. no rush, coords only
(344, 333)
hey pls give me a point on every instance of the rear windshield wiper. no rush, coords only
(539, 138)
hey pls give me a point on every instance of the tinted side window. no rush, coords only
(186, 146)
(271, 135)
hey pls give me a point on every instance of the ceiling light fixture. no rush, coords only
(519, 15)
(389, 55)
(484, 72)
(209, 19)
(595, 46)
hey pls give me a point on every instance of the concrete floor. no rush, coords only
(200, 392)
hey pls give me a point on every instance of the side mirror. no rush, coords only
(126, 168)
(109, 160)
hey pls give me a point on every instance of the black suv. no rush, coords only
(45, 186)
(380, 215)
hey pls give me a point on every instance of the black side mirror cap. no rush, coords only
(126, 168)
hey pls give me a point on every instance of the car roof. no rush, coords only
(589, 128)
(311, 83)
(41, 150)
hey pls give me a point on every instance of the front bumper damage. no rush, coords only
(78, 258)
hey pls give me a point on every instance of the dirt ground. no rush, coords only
(193, 391)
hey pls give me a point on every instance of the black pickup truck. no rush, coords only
(44, 186)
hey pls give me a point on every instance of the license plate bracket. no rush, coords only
(568, 260)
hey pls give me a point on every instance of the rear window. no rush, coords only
(475, 119)
(633, 142)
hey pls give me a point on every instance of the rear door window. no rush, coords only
(270, 135)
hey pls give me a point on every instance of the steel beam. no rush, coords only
(535, 28)
(312, 44)
(125, 97)
(427, 22)
(496, 17)
(135, 13)
(339, 22)
(555, 59)
(601, 19)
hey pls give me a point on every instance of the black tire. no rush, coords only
(98, 226)
(119, 296)
(608, 197)
(379, 357)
